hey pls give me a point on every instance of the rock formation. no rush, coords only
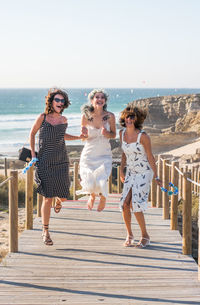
(168, 114)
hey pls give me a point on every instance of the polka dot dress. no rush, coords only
(52, 169)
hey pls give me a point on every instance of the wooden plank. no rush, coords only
(88, 264)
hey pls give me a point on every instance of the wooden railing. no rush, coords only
(186, 180)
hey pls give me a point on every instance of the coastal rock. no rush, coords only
(177, 113)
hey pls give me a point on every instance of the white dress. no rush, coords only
(139, 174)
(95, 162)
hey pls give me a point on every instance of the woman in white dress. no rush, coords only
(98, 126)
(140, 168)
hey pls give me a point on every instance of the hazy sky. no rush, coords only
(100, 43)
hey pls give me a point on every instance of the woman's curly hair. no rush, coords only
(50, 97)
(139, 113)
(88, 108)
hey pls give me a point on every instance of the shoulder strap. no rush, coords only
(44, 117)
(139, 136)
(123, 132)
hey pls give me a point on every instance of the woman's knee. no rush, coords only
(126, 205)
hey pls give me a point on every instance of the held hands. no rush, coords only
(84, 133)
(158, 181)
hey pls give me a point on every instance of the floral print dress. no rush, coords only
(139, 174)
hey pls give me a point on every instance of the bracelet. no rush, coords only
(157, 178)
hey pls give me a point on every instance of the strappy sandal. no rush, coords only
(142, 244)
(129, 241)
(58, 206)
(46, 236)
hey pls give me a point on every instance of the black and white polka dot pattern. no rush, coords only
(52, 169)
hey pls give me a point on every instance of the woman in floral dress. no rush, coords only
(140, 168)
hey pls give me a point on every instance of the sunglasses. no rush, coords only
(130, 116)
(57, 100)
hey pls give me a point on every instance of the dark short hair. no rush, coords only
(139, 113)
(50, 97)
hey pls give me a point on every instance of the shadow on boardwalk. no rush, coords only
(88, 264)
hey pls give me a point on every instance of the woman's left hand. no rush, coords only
(104, 131)
(158, 182)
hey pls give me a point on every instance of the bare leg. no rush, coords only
(91, 201)
(126, 213)
(58, 204)
(102, 203)
(145, 236)
(46, 211)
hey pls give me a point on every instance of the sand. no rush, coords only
(186, 149)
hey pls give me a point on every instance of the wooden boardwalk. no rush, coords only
(88, 264)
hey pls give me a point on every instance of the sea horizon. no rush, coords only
(19, 108)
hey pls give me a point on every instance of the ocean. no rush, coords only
(20, 107)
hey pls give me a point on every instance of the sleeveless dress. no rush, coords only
(95, 162)
(139, 174)
(52, 169)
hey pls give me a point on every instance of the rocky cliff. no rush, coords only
(169, 114)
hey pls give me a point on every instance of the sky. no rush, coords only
(100, 43)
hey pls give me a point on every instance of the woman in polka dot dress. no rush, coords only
(52, 168)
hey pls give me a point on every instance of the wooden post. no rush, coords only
(53, 203)
(198, 189)
(119, 184)
(5, 167)
(182, 169)
(193, 169)
(75, 181)
(180, 184)
(153, 193)
(29, 199)
(39, 204)
(159, 193)
(187, 215)
(165, 197)
(13, 212)
(110, 184)
(199, 244)
(196, 179)
(174, 199)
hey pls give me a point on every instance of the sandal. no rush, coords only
(129, 241)
(46, 236)
(58, 206)
(143, 244)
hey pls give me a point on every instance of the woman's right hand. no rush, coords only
(122, 176)
(84, 131)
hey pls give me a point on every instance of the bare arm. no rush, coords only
(146, 142)
(34, 130)
(123, 161)
(84, 130)
(112, 133)
(69, 137)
